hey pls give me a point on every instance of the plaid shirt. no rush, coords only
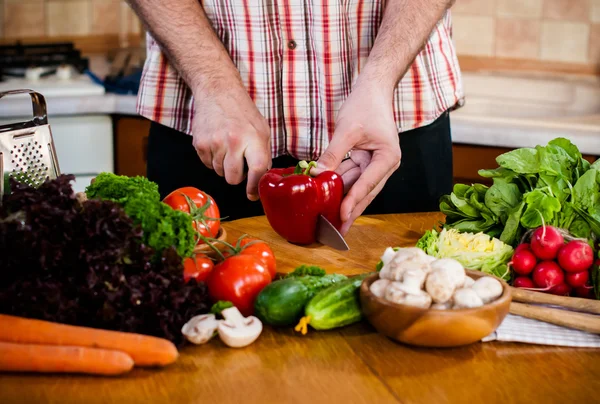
(298, 61)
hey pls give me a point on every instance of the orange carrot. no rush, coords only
(62, 359)
(145, 350)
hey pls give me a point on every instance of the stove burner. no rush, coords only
(17, 59)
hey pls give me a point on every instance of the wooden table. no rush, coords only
(353, 364)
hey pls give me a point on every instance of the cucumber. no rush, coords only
(334, 307)
(282, 302)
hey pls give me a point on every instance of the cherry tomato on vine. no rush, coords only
(201, 206)
(197, 267)
(238, 279)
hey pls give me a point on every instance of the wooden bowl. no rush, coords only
(205, 249)
(433, 328)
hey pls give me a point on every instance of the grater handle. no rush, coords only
(38, 103)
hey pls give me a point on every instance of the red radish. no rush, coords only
(562, 290)
(523, 282)
(523, 262)
(546, 241)
(577, 279)
(522, 246)
(586, 292)
(547, 274)
(576, 256)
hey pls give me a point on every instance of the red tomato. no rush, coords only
(262, 251)
(197, 267)
(238, 279)
(200, 206)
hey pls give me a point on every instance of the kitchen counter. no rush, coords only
(352, 364)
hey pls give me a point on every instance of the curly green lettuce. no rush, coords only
(120, 188)
(162, 226)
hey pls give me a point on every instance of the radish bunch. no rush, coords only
(549, 264)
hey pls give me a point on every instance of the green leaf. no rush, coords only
(586, 192)
(596, 165)
(464, 207)
(305, 270)
(502, 197)
(499, 172)
(580, 228)
(219, 306)
(567, 146)
(511, 233)
(556, 161)
(539, 204)
(460, 190)
(522, 161)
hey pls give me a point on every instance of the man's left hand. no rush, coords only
(365, 124)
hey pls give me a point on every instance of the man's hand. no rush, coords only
(365, 122)
(227, 129)
(365, 125)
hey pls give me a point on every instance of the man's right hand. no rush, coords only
(228, 128)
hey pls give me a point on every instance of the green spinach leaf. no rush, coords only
(464, 207)
(539, 204)
(522, 161)
(512, 229)
(502, 197)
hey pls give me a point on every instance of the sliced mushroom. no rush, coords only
(440, 286)
(378, 287)
(236, 330)
(466, 299)
(487, 288)
(200, 329)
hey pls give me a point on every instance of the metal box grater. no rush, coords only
(26, 148)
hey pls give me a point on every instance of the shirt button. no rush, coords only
(292, 45)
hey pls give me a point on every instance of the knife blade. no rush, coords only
(330, 236)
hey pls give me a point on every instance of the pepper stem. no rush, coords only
(304, 167)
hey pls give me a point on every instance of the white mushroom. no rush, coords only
(442, 306)
(468, 282)
(452, 267)
(394, 292)
(405, 259)
(466, 299)
(387, 256)
(414, 279)
(200, 329)
(378, 287)
(419, 299)
(236, 330)
(440, 286)
(487, 288)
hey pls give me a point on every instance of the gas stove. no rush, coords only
(55, 69)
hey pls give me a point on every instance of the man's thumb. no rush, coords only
(332, 156)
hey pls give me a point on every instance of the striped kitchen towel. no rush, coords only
(520, 329)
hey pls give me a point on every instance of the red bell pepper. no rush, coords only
(293, 200)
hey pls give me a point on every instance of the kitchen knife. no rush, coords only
(327, 234)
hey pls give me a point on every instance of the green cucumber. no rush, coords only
(282, 302)
(334, 307)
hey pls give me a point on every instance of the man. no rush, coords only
(261, 83)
